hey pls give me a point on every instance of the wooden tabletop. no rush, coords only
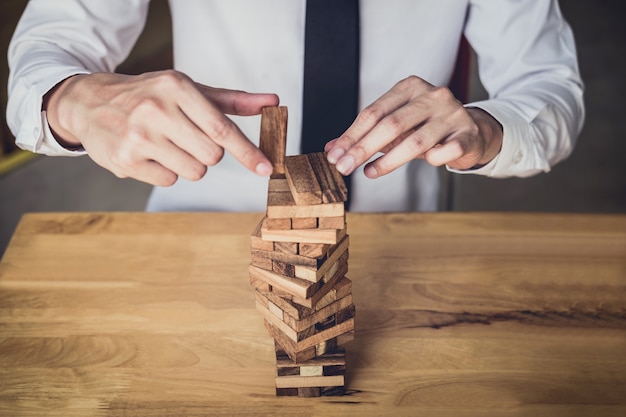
(137, 314)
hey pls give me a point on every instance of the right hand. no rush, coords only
(156, 126)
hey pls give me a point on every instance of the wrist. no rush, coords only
(57, 120)
(490, 130)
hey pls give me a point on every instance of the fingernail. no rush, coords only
(370, 171)
(334, 155)
(345, 165)
(263, 169)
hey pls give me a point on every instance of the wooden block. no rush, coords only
(316, 250)
(290, 258)
(325, 347)
(341, 291)
(278, 184)
(331, 364)
(302, 180)
(261, 262)
(345, 338)
(275, 310)
(309, 381)
(292, 370)
(288, 308)
(283, 268)
(280, 341)
(296, 287)
(333, 255)
(327, 300)
(286, 392)
(329, 236)
(273, 140)
(261, 298)
(256, 243)
(334, 370)
(336, 313)
(305, 223)
(309, 392)
(332, 270)
(319, 289)
(286, 247)
(320, 315)
(330, 180)
(345, 314)
(277, 224)
(295, 336)
(292, 347)
(326, 324)
(332, 391)
(312, 370)
(336, 357)
(282, 205)
(259, 285)
(337, 222)
(343, 288)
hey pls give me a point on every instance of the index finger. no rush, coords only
(223, 131)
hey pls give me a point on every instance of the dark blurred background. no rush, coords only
(593, 179)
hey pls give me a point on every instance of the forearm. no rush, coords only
(53, 43)
(527, 62)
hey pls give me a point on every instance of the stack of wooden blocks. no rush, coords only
(299, 259)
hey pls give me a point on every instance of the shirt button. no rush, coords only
(36, 133)
(518, 157)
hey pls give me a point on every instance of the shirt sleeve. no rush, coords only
(54, 40)
(528, 65)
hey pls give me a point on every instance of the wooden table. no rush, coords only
(457, 314)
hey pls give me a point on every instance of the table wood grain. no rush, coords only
(458, 314)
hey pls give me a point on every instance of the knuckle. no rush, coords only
(118, 172)
(145, 108)
(249, 155)
(442, 94)
(393, 124)
(167, 179)
(171, 79)
(412, 81)
(196, 172)
(371, 114)
(382, 167)
(433, 160)
(417, 144)
(124, 156)
(221, 130)
(214, 156)
(457, 148)
(359, 152)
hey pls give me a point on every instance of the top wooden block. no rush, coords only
(273, 141)
(313, 180)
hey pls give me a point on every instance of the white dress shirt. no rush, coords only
(526, 58)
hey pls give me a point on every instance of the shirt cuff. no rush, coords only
(517, 156)
(51, 144)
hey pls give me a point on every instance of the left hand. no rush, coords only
(416, 120)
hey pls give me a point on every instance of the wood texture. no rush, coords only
(273, 140)
(329, 236)
(282, 205)
(459, 314)
(331, 182)
(302, 180)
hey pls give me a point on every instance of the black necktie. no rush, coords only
(331, 72)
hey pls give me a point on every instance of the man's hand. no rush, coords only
(154, 127)
(416, 120)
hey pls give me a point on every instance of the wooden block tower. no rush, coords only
(299, 261)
